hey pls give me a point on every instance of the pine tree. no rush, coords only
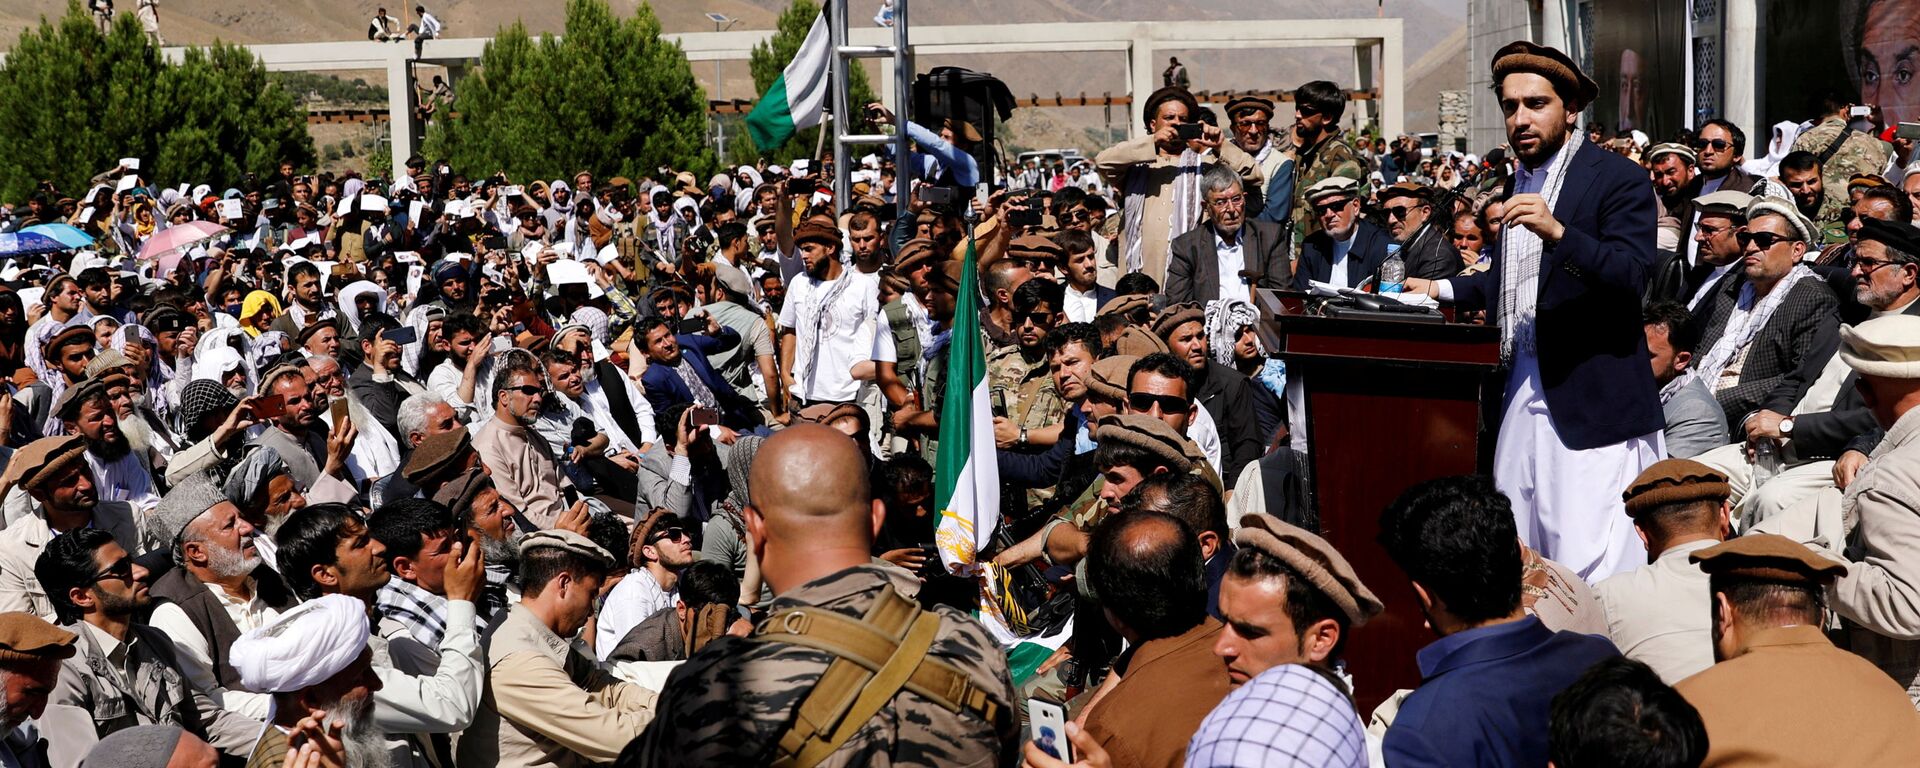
(79, 100)
(770, 58)
(609, 96)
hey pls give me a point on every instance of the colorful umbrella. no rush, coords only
(166, 245)
(67, 234)
(24, 243)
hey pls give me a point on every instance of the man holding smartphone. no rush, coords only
(381, 384)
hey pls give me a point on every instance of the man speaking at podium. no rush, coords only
(1582, 415)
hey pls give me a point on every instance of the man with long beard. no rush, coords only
(119, 473)
(216, 591)
(493, 524)
(316, 664)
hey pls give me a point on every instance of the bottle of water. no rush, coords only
(1766, 461)
(1393, 271)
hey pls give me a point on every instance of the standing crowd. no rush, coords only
(440, 470)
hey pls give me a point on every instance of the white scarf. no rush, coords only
(1186, 205)
(1744, 324)
(1520, 260)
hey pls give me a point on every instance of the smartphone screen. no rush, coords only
(1048, 729)
(269, 406)
(402, 335)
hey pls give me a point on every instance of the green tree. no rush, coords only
(770, 58)
(79, 100)
(609, 96)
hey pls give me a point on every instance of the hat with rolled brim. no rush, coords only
(1036, 247)
(1898, 235)
(26, 637)
(912, 254)
(1151, 435)
(567, 541)
(1767, 557)
(1681, 151)
(1139, 342)
(307, 331)
(1402, 189)
(1315, 560)
(71, 334)
(1125, 303)
(1726, 202)
(40, 461)
(1864, 180)
(1674, 481)
(458, 494)
(1763, 206)
(437, 454)
(68, 406)
(1884, 347)
(812, 232)
(1521, 56)
(1248, 103)
(1176, 316)
(1331, 187)
(1109, 377)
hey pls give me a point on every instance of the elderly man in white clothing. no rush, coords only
(1583, 415)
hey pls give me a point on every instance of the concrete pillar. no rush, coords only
(1739, 46)
(400, 107)
(1143, 76)
(1363, 80)
(1393, 75)
(1553, 25)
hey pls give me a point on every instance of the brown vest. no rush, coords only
(208, 616)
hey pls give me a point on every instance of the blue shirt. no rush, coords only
(1485, 693)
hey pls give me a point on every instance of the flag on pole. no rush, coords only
(796, 98)
(966, 484)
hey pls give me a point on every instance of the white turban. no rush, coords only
(304, 647)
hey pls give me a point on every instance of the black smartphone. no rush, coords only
(1188, 131)
(702, 417)
(936, 195)
(1026, 216)
(402, 335)
(692, 325)
(801, 186)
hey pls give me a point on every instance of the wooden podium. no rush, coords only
(1389, 403)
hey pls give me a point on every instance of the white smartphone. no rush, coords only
(1047, 725)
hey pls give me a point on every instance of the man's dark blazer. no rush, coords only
(1807, 318)
(1363, 260)
(664, 388)
(1825, 434)
(1430, 255)
(1592, 348)
(1675, 279)
(1227, 396)
(1193, 267)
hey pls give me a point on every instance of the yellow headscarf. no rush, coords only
(252, 305)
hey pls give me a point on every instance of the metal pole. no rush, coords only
(837, 27)
(719, 123)
(902, 101)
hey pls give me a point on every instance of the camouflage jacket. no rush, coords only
(1007, 372)
(732, 701)
(1331, 157)
(1860, 154)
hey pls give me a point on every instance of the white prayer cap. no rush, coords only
(83, 260)
(306, 646)
(1761, 206)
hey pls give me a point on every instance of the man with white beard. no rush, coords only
(216, 591)
(262, 488)
(315, 658)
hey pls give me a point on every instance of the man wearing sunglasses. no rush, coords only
(1721, 148)
(1345, 249)
(1423, 235)
(1314, 140)
(660, 550)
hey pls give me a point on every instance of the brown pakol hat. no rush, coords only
(1767, 557)
(1673, 481)
(26, 637)
(1316, 560)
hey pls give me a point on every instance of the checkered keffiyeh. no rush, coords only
(424, 613)
(1286, 716)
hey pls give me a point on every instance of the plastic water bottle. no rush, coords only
(1393, 271)
(1766, 461)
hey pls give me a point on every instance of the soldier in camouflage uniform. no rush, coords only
(737, 700)
(1843, 153)
(1319, 151)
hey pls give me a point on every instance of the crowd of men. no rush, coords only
(326, 471)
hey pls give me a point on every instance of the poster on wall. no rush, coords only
(1637, 48)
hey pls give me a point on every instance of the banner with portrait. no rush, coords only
(1637, 48)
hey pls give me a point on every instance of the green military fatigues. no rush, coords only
(1859, 154)
(1331, 157)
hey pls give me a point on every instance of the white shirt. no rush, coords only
(1081, 306)
(1206, 436)
(1337, 275)
(830, 340)
(429, 26)
(633, 600)
(597, 406)
(123, 479)
(196, 663)
(1706, 286)
(1231, 261)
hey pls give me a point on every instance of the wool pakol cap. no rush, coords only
(1139, 342)
(436, 454)
(1726, 202)
(458, 494)
(1176, 316)
(61, 339)
(1673, 481)
(68, 406)
(1036, 247)
(1124, 303)
(26, 637)
(1249, 103)
(1149, 434)
(1763, 206)
(568, 541)
(912, 254)
(655, 520)
(1315, 559)
(42, 460)
(817, 233)
(1894, 234)
(1886, 347)
(307, 331)
(1521, 56)
(1767, 557)
(1109, 379)
(1332, 186)
(1402, 189)
(1662, 150)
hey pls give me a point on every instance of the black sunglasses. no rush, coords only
(1399, 213)
(1333, 206)
(1766, 240)
(122, 570)
(674, 534)
(1719, 144)
(529, 390)
(1037, 318)
(1141, 401)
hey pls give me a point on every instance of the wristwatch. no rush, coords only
(1023, 435)
(1786, 426)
